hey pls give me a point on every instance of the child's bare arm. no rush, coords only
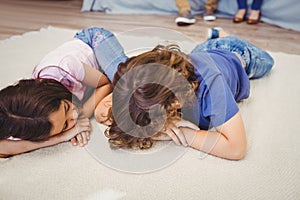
(228, 141)
(11, 147)
(102, 85)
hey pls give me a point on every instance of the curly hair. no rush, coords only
(144, 94)
(25, 108)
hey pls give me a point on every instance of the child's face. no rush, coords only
(64, 118)
(103, 108)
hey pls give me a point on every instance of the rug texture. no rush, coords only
(270, 169)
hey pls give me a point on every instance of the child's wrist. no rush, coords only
(58, 138)
(190, 135)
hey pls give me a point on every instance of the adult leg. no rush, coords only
(210, 7)
(183, 6)
(256, 5)
(255, 12)
(108, 51)
(185, 16)
(241, 13)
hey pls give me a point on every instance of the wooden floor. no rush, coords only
(20, 16)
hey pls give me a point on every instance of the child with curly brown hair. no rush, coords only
(188, 98)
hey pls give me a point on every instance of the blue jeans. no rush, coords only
(108, 51)
(257, 62)
(256, 4)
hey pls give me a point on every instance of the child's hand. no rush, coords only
(176, 133)
(81, 138)
(81, 113)
(80, 132)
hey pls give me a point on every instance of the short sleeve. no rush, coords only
(74, 67)
(69, 72)
(218, 103)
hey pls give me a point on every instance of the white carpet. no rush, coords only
(62, 172)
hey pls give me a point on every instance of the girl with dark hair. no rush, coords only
(151, 102)
(54, 106)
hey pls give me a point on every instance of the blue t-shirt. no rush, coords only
(223, 83)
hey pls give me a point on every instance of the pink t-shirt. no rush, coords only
(65, 64)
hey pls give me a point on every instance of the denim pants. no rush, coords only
(256, 4)
(257, 62)
(108, 51)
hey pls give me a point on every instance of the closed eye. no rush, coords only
(67, 108)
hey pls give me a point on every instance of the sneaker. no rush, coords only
(209, 16)
(213, 33)
(185, 20)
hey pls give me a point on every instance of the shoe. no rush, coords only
(209, 16)
(213, 33)
(238, 19)
(253, 20)
(185, 19)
